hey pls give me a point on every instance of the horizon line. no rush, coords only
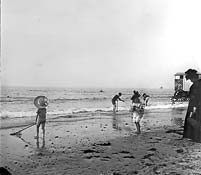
(96, 87)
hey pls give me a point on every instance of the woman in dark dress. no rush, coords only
(192, 124)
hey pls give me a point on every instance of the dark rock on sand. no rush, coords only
(105, 144)
(148, 156)
(129, 157)
(4, 171)
(89, 151)
(152, 149)
(124, 152)
(180, 150)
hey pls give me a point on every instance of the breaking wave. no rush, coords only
(8, 114)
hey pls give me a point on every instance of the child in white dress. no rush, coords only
(137, 110)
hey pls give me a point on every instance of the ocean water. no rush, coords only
(17, 102)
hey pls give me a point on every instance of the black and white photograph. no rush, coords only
(100, 87)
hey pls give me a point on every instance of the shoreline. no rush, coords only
(106, 144)
(9, 123)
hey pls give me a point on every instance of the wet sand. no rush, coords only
(102, 144)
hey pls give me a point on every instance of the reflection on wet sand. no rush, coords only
(116, 122)
(121, 124)
(20, 136)
(38, 144)
(176, 111)
(177, 119)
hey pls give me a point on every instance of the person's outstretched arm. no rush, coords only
(121, 99)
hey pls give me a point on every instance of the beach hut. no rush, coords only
(180, 82)
(181, 87)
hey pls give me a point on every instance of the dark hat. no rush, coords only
(120, 93)
(190, 72)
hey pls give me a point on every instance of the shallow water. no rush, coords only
(64, 103)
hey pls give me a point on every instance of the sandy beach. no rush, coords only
(101, 144)
(74, 62)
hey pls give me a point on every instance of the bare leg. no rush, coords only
(37, 131)
(43, 128)
(43, 132)
(138, 127)
(114, 108)
(43, 142)
(37, 142)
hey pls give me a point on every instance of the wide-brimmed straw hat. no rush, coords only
(41, 102)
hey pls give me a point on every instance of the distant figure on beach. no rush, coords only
(180, 95)
(135, 97)
(192, 123)
(115, 101)
(137, 111)
(41, 103)
(145, 98)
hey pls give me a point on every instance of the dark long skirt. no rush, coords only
(192, 127)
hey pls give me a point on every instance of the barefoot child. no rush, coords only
(145, 98)
(40, 120)
(137, 110)
(41, 103)
(137, 115)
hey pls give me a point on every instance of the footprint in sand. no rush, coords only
(94, 155)
(125, 154)
(151, 153)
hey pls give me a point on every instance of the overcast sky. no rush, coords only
(99, 43)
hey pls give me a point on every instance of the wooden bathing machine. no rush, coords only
(181, 87)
